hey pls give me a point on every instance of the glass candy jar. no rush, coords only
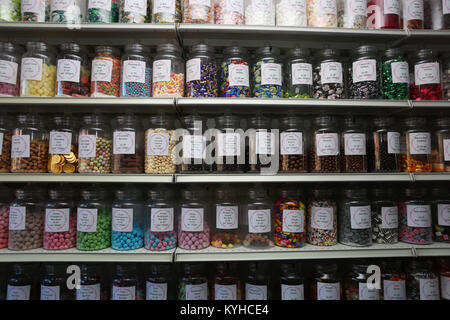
(257, 282)
(364, 74)
(322, 218)
(322, 13)
(125, 284)
(440, 209)
(393, 280)
(160, 284)
(168, 71)
(226, 233)
(20, 283)
(328, 78)
(234, 73)
(92, 283)
(134, 11)
(260, 12)
(298, 81)
(355, 284)
(267, 73)
(226, 284)
(385, 145)
(5, 144)
(5, 201)
(34, 11)
(422, 283)
(230, 147)
(426, 72)
(10, 60)
(443, 268)
(193, 144)
(394, 75)
(102, 11)
(440, 151)
(261, 144)
(166, 11)
(384, 216)
(10, 11)
(105, 75)
(201, 72)
(66, 11)
(193, 284)
(292, 282)
(63, 145)
(354, 145)
(293, 147)
(229, 12)
(136, 78)
(445, 75)
(384, 14)
(290, 13)
(413, 14)
(198, 11)
(54, 283)
(352, 14)
(326, 283)
(415, 145)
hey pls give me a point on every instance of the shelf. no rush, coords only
(433, 250)
(431, 176)
(74, 255)
(86, 178)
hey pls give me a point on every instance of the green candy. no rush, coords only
(101, 239)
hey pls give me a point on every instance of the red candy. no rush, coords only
(62, 240)
(4, 223)
(425, 92)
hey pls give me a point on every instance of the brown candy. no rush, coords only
(36, 162)
(32, 236)
(63, 163)
(128, 163)
(5, 157)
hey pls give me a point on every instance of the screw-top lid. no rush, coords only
(257, 193)
(94, 119)
(420, 265)
(365, 50)
(65, 121)
(127, 120)
(193, 122)
(235, 51)
(128, 269)
(322, 193)
(23, 268)
(128, 192)
(160, 268)
(440, 192)
(415, 122)
(107, 49)
(10, 47)
(291, 121)
(228, 121)
(55, 268)
(290, 268)
(298, 53)
(194, 268)
(383, 122)
(260, 121)
(381, 192)
(323, 121)
(443, 122)
(71, 47)
(201, 49)
(136, 47)
(329, 53)
(354, 122)
(90, 269)
(93, 193)
(354, 192)
(61, 192)
(40, 46)
(327, 268)
(161, 121)
(393, 53)
(267, 51)
(226, 267)
(225, 193)
(424, 54)
(259, 267)
(192, 194)
(415, 193)
(30, 119)
(160, 193)
(168, 48)
(288, 192)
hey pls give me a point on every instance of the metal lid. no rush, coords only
(128, 193)
(292, 121)
(424, 54)
(329, 53)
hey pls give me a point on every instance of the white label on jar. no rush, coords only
(443, 214)
(238, 75)
(227, 217)
(122, 220)
(17, 217)
(291, 143)
(57, 220)
(20, 146)
(446, 6)
(265, 143)
(123, 293)
(393, 142)
(413, 10)
(367, 294)
(134, 71)
(364, 70)
(61, 5)
(445, 287)
(156, 291)
(327, 144)
(427, 73)
(292, 292)
(124, 142)
(88, 292)
(157, 144)
(164, 6)
(394, 290)
(197, 291)
(259, 221)
(137, 6)
(101, 70)
(400, 72)
(100, 4)
(30, 6)
(420, 143)
(206, 3)
(262, 5)
(235, 6)
(392, 7)
(360, 217)
(253, 292)
(446, 143)
(297, 5)
(87, 145)
(389, 217)
(429, 289)
(327, 7)
(1, 143)
(50, 292)
(87, 220)
(192, 219)
(357, 7)
(18, 293)
(330, 72)
(355, 144)
(161, 219)
(194, 147)
(322, 218)
(161, 70)
(229, 144)
(419, 216)
(60, 142)
(193, 69)
(225, 292)
(68, 70)
(271, 74)
(293, 221)
(328, 291)
(301, 73)
(31, 69)
(8, 72)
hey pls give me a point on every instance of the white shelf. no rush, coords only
(431, 176)
(86, 178)
(433, 250)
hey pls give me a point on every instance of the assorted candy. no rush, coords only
(289, 223)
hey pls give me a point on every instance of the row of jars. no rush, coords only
(329, 75)
(322, 144)
(413, 279)
(221, 219)
(356, 14)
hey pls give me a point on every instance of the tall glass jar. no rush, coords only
(257, 282)
(352, 14)
(10, 58)
(160, 284)
(421, 282)
(415, 223)
(385, 145)
(193, 222)
(293, 147)
(92, 283)
(5, 200)
(234, 73)
(425, 69)
(230, 147)
(260, 12)
(193, 284)
(198, 11)
(60, 219)
(355, 284)
(166, 11)
(201, 72)
(34, 11)
(73, 72)
(128, 145)
(20, 283)
(105, 75)
(261, 143)
(66, 11)
(26, 220)
(292, 282)
(384, 14)
(127, 219)
(102, 11)
(10, 11)
(94, 145)
(257, 220)
(229, 12)
(136, 78)
(322, 13)
(125, 284)
(355, 227)
(267, 73)
(54, 283)
(29, 145)
(324, 150)
(443, 268)
(226, 233)
(384, 216)
(328, 77)
(445, 75)
(440, 142)
(38, 71)
(291, 13)
(193, 145)
(5, 144)
(322, 218)
(394, 75)
(393, 280)
(446, 13)
(134, 11)
(93, 220)
(415, 145)
(364, 74)
(298, 81)
(440, 209)
(354, 145)
(326, 283)
(160, 142)
(413, 14)
(168, 71)
(63, 145)
(226, 284)
(434, 17)
(160, 223)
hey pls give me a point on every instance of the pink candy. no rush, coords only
(62, 240)
(194, 240)
(4, 224)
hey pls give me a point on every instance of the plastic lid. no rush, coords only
(31, 119)
(94, 119)
(126, 120)
(327, 268)
(415, 122)
(367, 49)
(291, 122)
(260, 122)
(33, 45)
(383, 121)
(126, 269)
(168, 47)
(61, 192)
(424, 54)
(136, 47)
(298, 53)
(393, 53)
(323, 193)
(66, 121)
(257, 193)
(267, 50)
(128, 193)
(443, 122)
(228, 121)
(160, 268)
(10, 47)
(107, 49)
(161, 120)
(382, 192)
(235, 51)
(355, 193)
(329, 53)
(160, 193)
(194, 268)
(192, 120)
(192, 194)
(201, 48)
(70, 46)
(417, 193)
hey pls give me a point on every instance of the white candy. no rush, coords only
(291, 13)
(260, 12)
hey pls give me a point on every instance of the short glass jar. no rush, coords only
(102, 11)
(393, 280)
(290, 13)
(261, 143)
(415, 145)
(92, 283)
(105, 75)
(66, 12)
(193, 145)
(322, 14)
(298, 78)
(425, 74)
(234, 73)
(363, 79)
(193, 284)
(354, 145)
(6, 197)
(63, 145)
(201, 12)
(355, 284)
(125, 284)
(136, 78)
(352, 14)
(134, 11)
(10, 60)
(293, 157)
(422, 283)
(292, 282)
(384, 216)
(20, 282)
(260, 12)
(440, 150)
(321, 222)
(5, 143)
(257, 282)
(413, 14)
(267, 72)
(385, 145)
(440, 210)
(54, 283)
(160, 283)
(328, 77)
(166, 11)
(226, 232)
(230, 145)
(201, 72)
(226, 284)
(384, 14)
(229, 13)
(168, 71)
(325, 283)
(394, 75)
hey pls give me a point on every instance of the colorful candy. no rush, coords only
(415, 223)
(322, 13)
(289, 223)
(234, 80)
(10, 10)
(65, 11)
(267, 79)
(101, 162)
(34, 11)
(102, 11)
(201, 79)
(394, 76)
(105, 73)
(166, 11)
(134, 11)
(322, 221)
(226, 12)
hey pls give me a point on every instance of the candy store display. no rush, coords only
(193, 283)
(415, 222)
(293, 148)
(325, 283)
(164, 11)
(99, 11)
(105, 75)
(385, 146)
(352, 14)
(234, 73)
(53, 283)
(384, 14)
(92, 283)
(257, 220)
(393, 280)
(322, 13)
(226, 284)
(394, 75)
(443, 269)
(34, 11)
(384, 216)
(226, 233)
(136, 79)
(355, 284)
(328, 78)
(193, 144)
(125, 283)
(413, 14)
(298, 77)
(160, 283)
(434, 17)
(66, 11)
(10, 11)
(168, 72)
(230, 154)
(260, 12)
(229, 12)
(198, 11)
(10, 57)
(421, 282)
(202, 72)
(5, 145)
(291, 13)
(63, 145)
(5, 200)
(440, 142)
(261, 144)
(20, 283)
(425, 72)
(354, 146)
(440, 210)
(134, 11)
(292, 282)
(38, 71)
(267, 73)
(446, 75)
(72, 72)
(415, 145)
(364, 74)
(321, 219)
(257, 281)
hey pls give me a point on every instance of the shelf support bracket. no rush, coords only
(414, 252)
(412, 177)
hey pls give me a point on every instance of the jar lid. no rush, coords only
(66, 121)
(298, 53)
(126, 269)
(355, 193)
(93, 193)
(126, 120)
(323, 193)
(260, 122)
(226, 267)
(55, 268)
(70, 46)
(94, 119)
(61, 192)
(257, 193)
(23, 268)
(290, 268)
(289, 193)
(383, 121)
(192, 121)
(128, 193)
(367, 49)
(267, 50)
(228, 121)
(164, 268)
(235, 51)
(360, 268)
(107, 49)
(161, 120)
(420, 265)
(202, 48)
(160, 193)
(168, 47)
(327, 268)
(415, 122)
(382, 192)
(354, 123)
(224, 192)
(10, 47)
(323, 120)
(424, 54)
(414, 192)
(90, 269)
(27, 192)
(291, 121)
(34, 45)
(443, 122)
(192, 194)
(440, 193)
(259, 267)
(194, 268)
(136, 47)
(392, 53)
(329, 53)
(31, 119)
